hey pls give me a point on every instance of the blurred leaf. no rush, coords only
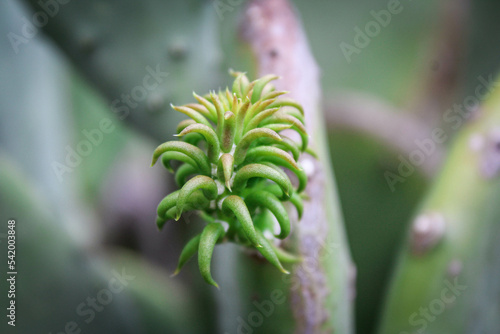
(376, 218)
(55, 278)
(141, 55)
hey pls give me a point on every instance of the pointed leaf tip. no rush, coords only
(211, 234)
(187, 253)
(235, 205)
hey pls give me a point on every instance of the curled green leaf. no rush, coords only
(272, 154)
(273, 95)
(277, 127)
(284, 256)
(268, 252)
(289, 145)
(202, 110)
(295, 198)
(272, 203)
(193, 114)
(191, 151)
(226, 104)
(260, 84)
(173, 155)
(211, 234)
(228, 132)
(167, 209)
(235, 205)
(166, 203)
(240, 84)
(241, 149)
(281, 158)
(259, 118)
(187, 253)
(183, 172)
(199, 182)
(256, 109)
(260, 170)
(204, 102)
(296, 125)
(240, 119)
(184, 124)
(213, 146)
(225, 169)
(288, 103)
(220, 113)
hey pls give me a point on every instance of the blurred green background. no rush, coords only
(76, 228)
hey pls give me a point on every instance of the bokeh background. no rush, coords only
(77, 227)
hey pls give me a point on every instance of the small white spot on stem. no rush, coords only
(427, 230)
(308, 166)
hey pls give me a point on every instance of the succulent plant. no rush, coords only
(231, 158)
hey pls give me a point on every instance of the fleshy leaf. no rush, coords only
(236, 205)
(260, 84)
(272, 203)
(268, 252)
(249, 138)
(228, 132)
(260, 170)
(211, 234)
(193, 114)
(213, 146)
(173, 155)
(191, 151)
(225, 169)
(199, 182)
(187, 253)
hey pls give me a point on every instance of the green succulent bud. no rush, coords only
(229, 167)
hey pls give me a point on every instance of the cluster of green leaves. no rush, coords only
(231, 169)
